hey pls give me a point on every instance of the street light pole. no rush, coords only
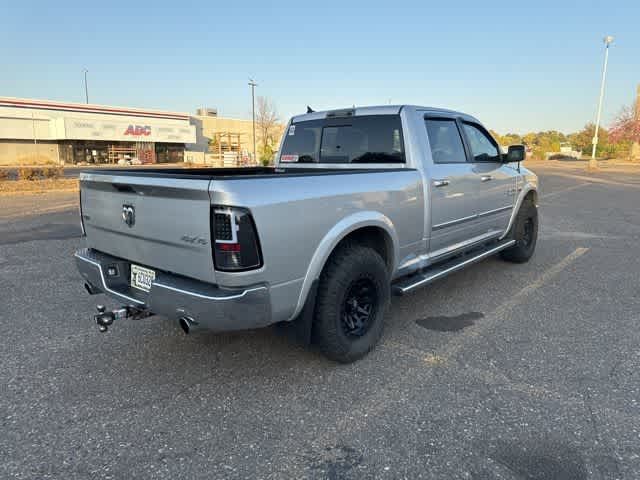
(86, 89)
(592, 163)
(253, 86)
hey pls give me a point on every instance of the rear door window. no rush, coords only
(363, 139)
(445, 140)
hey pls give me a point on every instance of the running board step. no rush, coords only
(405, 285)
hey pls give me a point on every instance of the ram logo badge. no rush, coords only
(128, 215)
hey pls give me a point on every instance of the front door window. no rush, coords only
(482, 146)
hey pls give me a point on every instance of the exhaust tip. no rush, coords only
(186, 323)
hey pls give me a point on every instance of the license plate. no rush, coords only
(141, 278)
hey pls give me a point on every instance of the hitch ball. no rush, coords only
(103, 318)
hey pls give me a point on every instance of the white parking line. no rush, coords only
(455, 345)
(596, 180)
(392, 392)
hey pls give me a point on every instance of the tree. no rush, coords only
(511, 139)
(266, 122)
(542, 143)
(626, 126)
(266, 153)
(581, 140)
(506, 140)
(624, 133)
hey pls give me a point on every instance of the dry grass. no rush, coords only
(39, 173)
(11, 187)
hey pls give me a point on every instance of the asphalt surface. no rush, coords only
(500, 371)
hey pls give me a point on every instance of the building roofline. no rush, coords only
(37, 104)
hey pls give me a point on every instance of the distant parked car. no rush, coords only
(566, 153)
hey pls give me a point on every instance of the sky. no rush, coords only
(517, 66)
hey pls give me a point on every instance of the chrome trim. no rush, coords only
(486, 178)
(458, 266)
(440, 183)
(454, 222)
(495, 210)
(104, 283)
(208, 297)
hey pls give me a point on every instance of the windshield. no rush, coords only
(364, 139)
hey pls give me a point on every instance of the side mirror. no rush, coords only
(516, 153)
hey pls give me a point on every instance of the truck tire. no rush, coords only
(525, 232)
(353, 294)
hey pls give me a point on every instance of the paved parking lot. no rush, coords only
(500, 371)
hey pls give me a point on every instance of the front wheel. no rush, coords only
(353, 295)
(525, 232)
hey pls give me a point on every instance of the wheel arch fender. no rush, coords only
(527, 189)
(337, 234)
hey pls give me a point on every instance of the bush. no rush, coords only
(52, 172)
(28, 173)
(266, 154)
(39, 173)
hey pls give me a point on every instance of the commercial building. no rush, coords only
(42, 131)
(226, 141)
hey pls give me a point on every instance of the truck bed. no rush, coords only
(294, 209)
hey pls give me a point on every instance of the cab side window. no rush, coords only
(483, 148)
(445, 141)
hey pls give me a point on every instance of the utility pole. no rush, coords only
(593, 165)
(253, 86)
(86, 89)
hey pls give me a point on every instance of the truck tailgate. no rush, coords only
(157, 222)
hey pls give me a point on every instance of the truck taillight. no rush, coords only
(235, 241)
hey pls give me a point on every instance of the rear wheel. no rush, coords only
(525, 232)
(353, 295)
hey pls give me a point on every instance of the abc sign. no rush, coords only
(138, 130)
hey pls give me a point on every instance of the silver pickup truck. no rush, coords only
(362, 203)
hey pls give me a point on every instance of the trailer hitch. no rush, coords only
(104, 318)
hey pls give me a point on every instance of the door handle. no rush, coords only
(486, 178)
(440, 183)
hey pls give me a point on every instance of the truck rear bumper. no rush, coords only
(176, 297)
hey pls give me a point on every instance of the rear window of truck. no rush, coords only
(362, 139)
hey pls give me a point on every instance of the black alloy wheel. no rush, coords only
(359, 307)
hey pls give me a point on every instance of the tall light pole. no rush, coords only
(86, 89)
(608, 40)
(253, 86)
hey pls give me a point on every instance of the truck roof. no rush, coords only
(377, 110)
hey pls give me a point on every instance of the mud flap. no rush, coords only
(299, 330)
